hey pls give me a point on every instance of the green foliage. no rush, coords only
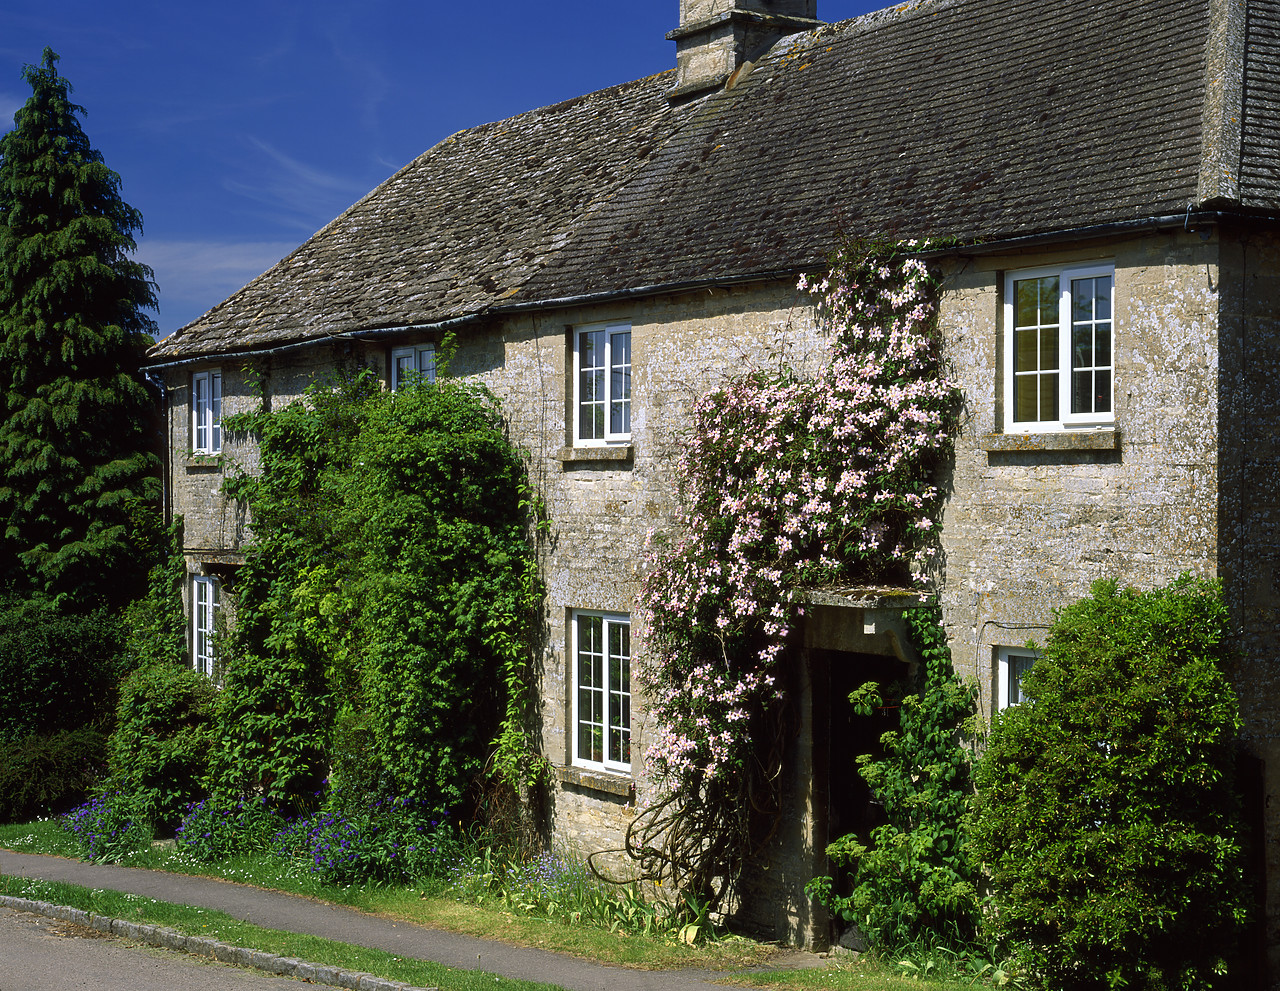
(390, 839)
(1108, 815)
(390, 591)
(155, 622)
(213, 830)
(108, 828)
(47, 775)
(76, 466)
(57, 671)
(917, 879)
(160, 747)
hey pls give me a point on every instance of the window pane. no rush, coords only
(1048, 300)
(1102, 398)
(1026, 401)
(427, 364)
(1027, 302)
(1049, 348)
(1019, 665)
(1102, 345)
(620, 383)
(1026, 350)
(1082, 394)
(215, 420)
(1082, 347)
(404, 365)
(1048, 397)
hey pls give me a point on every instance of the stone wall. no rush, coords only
(1029, 526)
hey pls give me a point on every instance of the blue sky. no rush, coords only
(239, 129)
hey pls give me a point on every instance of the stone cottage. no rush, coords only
(604, 261)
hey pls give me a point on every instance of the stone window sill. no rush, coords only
(1063, 440)
(622, 455)
(202, 461)
(611, 784)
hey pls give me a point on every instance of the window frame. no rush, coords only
(609, 435)
(206, 596)
(415, 354)
(1066, 420)
(611, 696)
(1004, 674)
(206, 411)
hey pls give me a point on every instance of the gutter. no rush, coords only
(1191, 220)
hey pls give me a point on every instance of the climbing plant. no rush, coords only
(390, 590)
(915, 878)
(789, 483)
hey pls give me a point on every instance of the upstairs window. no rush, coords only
(602, 384)
(410, 364)
(204, 609)
(206, 412)
(1059, 349)
(1012, 665)
(602, 690)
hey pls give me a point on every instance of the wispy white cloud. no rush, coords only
(194, 276)
(300, 195)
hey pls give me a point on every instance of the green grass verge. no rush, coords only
(218, 925)
(436, 908)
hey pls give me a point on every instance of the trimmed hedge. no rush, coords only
(57, 671)
(48, 775)
(160, 748)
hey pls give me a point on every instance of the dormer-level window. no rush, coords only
(1059, 349)
(413, 364)
(602, 384)
(206, 412)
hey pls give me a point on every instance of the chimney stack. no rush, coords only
(717, 37)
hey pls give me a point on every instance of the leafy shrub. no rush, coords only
(48, 775)
(1108, 815)
(388, 840)
(107, 829)
(57, 671)
(389, 582)
(213, 830)
(159, 750)
(918, 881)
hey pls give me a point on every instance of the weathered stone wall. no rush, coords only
(1027, 531)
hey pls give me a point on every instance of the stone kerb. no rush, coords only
(204, 946)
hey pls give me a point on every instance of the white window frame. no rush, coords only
(419, 359)
(1007, 663)
(614, 386)
(612, 693)
(206, 412)
(205, 596)
(1065, 419)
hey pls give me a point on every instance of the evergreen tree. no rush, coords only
(76, 466)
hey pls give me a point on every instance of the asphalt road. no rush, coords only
(42, 954)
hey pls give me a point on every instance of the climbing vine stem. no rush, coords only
(790, 483)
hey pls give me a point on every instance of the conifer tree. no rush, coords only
(76, 463)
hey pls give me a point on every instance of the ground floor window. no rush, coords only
(204, 608)
(601, 650)
(1012, 663)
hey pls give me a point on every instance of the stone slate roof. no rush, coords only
(973, 119)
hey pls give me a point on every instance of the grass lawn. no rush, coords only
(434, 907)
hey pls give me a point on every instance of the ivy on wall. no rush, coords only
(391, 587)
(790, 483)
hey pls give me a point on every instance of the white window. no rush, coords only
(602, 385)
(410, 363)
(204, 609)
(206, 412)
(602, 690)
(1012, 664)
(1059, 349)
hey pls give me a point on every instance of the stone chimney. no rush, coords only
(717, 37)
